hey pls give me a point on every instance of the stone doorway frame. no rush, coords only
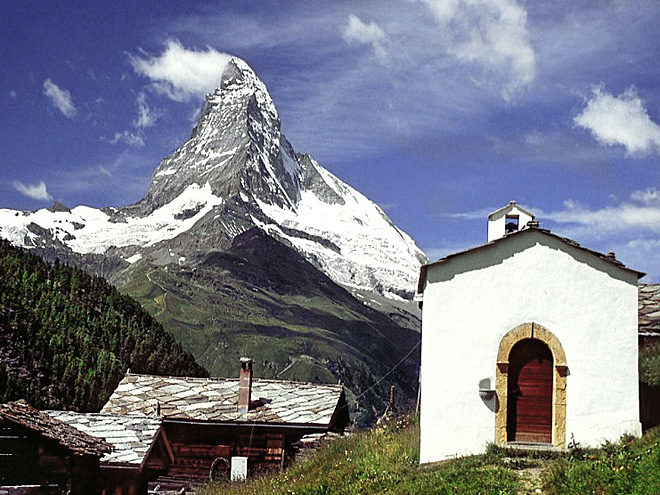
(560, 374)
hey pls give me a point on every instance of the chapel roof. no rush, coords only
(530, 230)
(216, 399)
(130, 435)
(20, 413)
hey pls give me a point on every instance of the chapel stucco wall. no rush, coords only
(472, 301)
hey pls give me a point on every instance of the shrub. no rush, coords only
(649, 365)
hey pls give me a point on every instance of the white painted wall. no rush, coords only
(472, 300)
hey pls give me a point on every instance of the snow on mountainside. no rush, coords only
(236, 171)
(89, 230)
(366, 250)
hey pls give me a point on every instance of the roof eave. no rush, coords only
(250, 424)
(424, 269)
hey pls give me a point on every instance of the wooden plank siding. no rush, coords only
(202, 450)
(29, 459)
(196, 447)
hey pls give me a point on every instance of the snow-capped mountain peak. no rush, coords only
(236, 146)
(236, 171)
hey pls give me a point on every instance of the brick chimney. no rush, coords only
(244, 386)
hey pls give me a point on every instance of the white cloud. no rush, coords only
(620, 121)
(181, 74)
(649, 196)
(61, 98)
(131, 139)
(489, 33)
(12, 94)
(366, 34)
(641, 213)
(630, 228)
(37, 191)
(146, 116)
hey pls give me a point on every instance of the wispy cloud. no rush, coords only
(135, 140)
(180, 73)
(13, 94)
(36, 191)
(640, 213)
(620, 121)
(648, 196)
(358, 32)
(490, 33)
(631, 228)
(468, 215)
(60, 98)
(146, 116)
(120, 180)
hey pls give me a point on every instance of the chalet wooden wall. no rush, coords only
(31, 459)
(201, 448)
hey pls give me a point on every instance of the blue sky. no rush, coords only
(439, 110)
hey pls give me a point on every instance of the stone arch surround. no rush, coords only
(538, 332)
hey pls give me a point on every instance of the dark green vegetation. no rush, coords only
(384, 460)
(262, 299)
(649, 365)
(67, 338)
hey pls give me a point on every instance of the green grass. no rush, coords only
(384, 460)
(631, 467)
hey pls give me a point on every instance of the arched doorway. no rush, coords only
(510, 361)
(529, 394)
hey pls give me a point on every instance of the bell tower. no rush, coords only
(507, 220)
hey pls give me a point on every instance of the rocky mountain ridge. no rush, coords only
(235, 172)
(198, 251)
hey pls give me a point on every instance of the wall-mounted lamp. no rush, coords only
(486, 394)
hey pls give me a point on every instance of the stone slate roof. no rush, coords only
(131, 436)
(649, 309)
(215, 399)
(41, 423)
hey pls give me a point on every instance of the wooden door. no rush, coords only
(529, 400)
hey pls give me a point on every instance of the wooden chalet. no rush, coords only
(42, 455)
(226, 428)
(140, 449)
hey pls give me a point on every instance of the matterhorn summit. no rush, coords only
(236, 172)
(236, 146)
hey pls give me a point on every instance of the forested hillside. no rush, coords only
(67, 338)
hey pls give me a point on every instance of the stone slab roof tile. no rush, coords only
(216, 399)
(60, 431)
(130, 436)
(649, 309)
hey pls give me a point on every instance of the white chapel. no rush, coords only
(527, 339)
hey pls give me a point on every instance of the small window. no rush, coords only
(511, 224)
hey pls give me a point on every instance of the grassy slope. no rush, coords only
(263, 300)
(384, 461)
